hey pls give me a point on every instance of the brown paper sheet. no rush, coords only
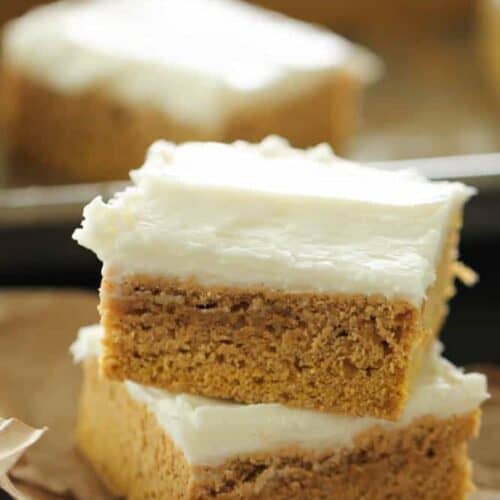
(40, 385)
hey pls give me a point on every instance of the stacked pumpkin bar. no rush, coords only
(268, 329)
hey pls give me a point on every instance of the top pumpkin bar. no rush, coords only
(263, 273)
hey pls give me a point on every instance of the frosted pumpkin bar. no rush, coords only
(88, 86)
(263, 273)
(149, 443)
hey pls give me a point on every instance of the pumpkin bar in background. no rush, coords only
(267, 274)
(380, 20)
(148, 443)
(90, 85)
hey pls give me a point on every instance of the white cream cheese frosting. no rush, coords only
(271, 215)
(198, 60)
(209, 431)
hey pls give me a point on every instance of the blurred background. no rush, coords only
(439, 96)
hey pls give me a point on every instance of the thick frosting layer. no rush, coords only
(199, 60)
(267, 214)
(210, 431)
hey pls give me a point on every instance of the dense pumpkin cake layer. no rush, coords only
(147, 443)
(350, 354)
(263, 273)
(89, 85)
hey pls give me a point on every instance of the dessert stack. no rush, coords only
(269, 319)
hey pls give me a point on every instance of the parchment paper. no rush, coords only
(15, 438)
(40, 386)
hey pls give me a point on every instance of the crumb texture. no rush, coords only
(136, 458)
(334, 353)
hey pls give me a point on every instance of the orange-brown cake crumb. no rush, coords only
(331, 353)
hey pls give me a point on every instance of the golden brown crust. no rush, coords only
(92, 136)
(134, 455)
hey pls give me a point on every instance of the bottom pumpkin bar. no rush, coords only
(148, 443)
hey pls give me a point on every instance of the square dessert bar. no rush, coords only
(148, 443)
(262, 273)
(85, 102)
